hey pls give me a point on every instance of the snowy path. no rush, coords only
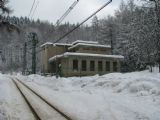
(12, 105)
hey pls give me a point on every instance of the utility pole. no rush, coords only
(111, 37)
(157, 12)
(34, 40)
(24, 58)
(11, 60)
(34, 44)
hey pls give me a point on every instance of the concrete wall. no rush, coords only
(48, 52)
(67, 66)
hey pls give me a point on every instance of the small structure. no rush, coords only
(81, 58)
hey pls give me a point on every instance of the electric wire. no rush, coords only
(35, 9)
(31, 8)
(66, 13)
(66, 34)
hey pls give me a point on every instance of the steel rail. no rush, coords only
(42, 98)
(28, 103)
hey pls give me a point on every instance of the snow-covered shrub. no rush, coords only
(141, 86)
(143, 93)
(158, 93)
(153, 91)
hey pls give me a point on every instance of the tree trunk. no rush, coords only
(159, 67)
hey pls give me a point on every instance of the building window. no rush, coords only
(84, 65)
(92, 66)
(107, 66)
(100, 66)
(115, 66)
(75, 65)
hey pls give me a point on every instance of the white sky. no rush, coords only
(51, 10)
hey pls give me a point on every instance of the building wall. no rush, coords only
(48, 52)
(67, 66)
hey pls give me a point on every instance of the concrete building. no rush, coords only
(81, 58)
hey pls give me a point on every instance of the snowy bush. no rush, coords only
(143, 93)
(141, 86)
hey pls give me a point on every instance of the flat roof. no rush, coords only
(62, 44)
(77, 44)
(84, 55)
(47, 43)
(90, 45)
(56, 44)
(82, 41)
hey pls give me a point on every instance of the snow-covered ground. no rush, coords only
(115, 96)
(12, 105)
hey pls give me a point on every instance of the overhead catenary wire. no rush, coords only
(66, 34)
(31, 8)
(35, 9)
(31, 14)
(66, 13)
(83, 22)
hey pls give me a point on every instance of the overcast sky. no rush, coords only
(51, 10)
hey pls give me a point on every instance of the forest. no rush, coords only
(133, 31)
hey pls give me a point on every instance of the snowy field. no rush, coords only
(115, 96)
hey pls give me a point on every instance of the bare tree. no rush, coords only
(4, 12)
(4, 9)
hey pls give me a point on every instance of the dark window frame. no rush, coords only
(115, 66)
(100, 66)
(108, 67)
(92, 65)
(84, 65)
(75, 65)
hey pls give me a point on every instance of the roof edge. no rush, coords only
(84, 54)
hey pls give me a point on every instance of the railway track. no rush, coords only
(40, 107)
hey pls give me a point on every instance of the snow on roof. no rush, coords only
(62, 44)
(76, 44)
(47, 43)
(85, 55)
(56, 44)
(82, 41)
(91, 45)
